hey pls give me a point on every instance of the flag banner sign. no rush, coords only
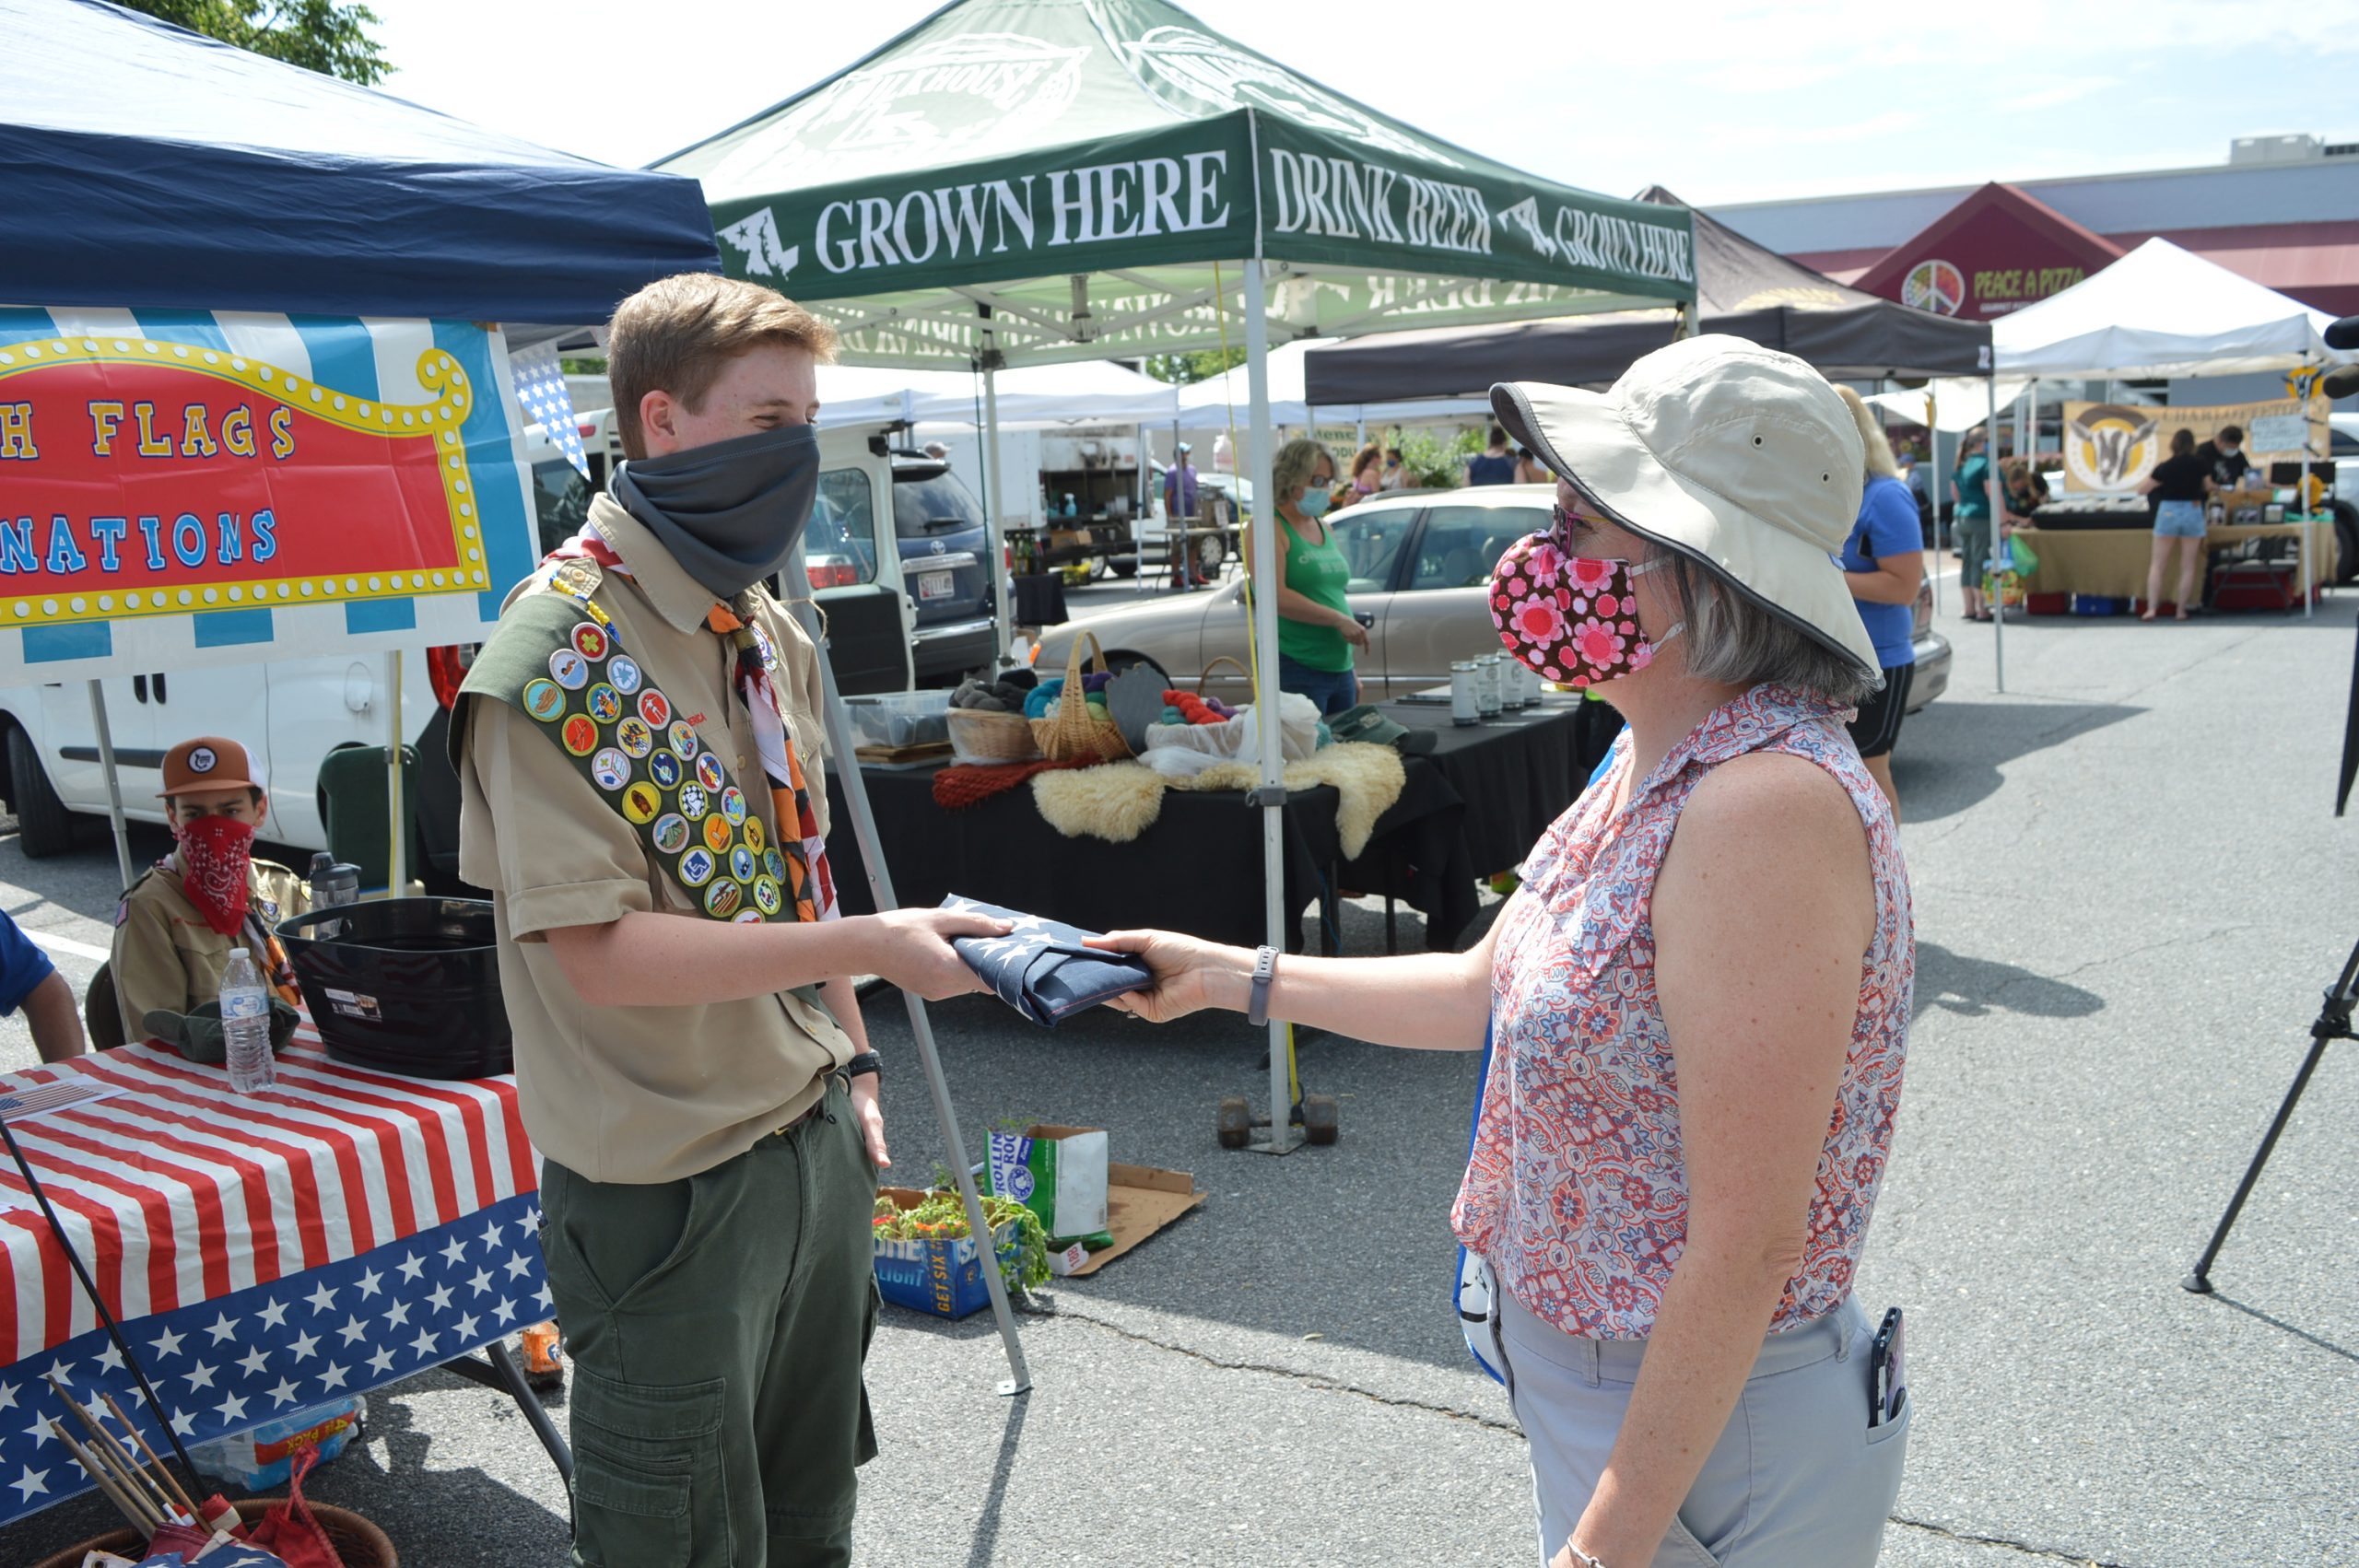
(217, 488)
(264, 1253)
(2108, 447)
(540, 387)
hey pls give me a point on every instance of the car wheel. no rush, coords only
(44, 827)
(1211, 551)
(2346, 533)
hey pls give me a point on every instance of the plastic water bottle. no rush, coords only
(245, 1025)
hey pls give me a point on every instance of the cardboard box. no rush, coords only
(1140, 1201)
(944, 1278)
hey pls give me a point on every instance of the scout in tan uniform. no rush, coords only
(638, 757)
(175, 926)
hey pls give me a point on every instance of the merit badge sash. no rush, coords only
(592, 700)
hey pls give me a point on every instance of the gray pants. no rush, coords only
(1798, 1478)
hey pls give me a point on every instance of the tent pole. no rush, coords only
(1003, 583)
(1998, 513)
(880, 886)
(1934, 488)
(2309, 590)
(114, 784)
(396, 867)
(1263, 568)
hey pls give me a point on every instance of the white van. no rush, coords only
(292, 713)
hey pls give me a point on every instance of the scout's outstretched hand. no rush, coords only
(915, 952)
(1190, 975)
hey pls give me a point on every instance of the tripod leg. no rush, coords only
(2200, 1280)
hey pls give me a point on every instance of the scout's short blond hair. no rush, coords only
(677, 334)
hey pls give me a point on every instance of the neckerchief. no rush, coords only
(815, 895)
(279, 973)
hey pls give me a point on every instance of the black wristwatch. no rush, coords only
(866, 1061)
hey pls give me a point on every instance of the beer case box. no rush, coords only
(943, 1278)
(1059, 1173)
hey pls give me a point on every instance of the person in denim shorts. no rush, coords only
(2179, 484)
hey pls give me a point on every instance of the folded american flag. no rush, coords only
(1042, 968)
(236, 1556)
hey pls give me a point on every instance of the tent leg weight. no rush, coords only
(1317, 1115)
(1321, 1120)
(1235, 1122)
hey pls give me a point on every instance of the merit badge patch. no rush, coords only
(656, 708)
(741, 863)
(696, 867)
(774, 863)
(716, 834)
(732, 805)
(610, 769)
(670, 832)
(665, 768)
(767, 896)
(710, 773)
(640, 803)
(682, 736)
(544, 700)
(721, 900)
(624, 673)
(634, 737)
(754, 834)
(579, 735)
(569, 669)
(590, 640)
(747, 918)
(604, 703)
(692, 801)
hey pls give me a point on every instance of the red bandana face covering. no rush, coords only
(218, 854)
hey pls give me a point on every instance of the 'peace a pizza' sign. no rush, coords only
(143, 477)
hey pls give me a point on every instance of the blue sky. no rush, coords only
(1719, 101)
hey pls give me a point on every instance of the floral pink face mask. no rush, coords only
(1571, 619)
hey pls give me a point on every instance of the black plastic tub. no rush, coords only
(405, 985)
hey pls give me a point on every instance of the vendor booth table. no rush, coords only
(1473, 807)
(2111, 562)
(265, 1253)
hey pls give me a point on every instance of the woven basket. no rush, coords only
(358, 1543)
(991, 737)
(1071, 735)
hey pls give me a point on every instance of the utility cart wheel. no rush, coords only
(1234, 1122)
(1320, 1120)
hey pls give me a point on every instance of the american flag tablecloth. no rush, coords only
(264, 1253)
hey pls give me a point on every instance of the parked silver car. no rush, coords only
(1420, 572)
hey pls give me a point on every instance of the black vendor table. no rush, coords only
(1473, 807)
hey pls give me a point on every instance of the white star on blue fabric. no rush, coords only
(424, 1344)
(398, 1317)
(439, 1298)
(110, 1359)
(457, 1252)
(369, 1282)
(482, 1281)
(354, 1330)
(304, 1346)
(490, 1236)
(383, 1361)
(332, 1378)
(322, 1298)
(253, 1361)
(199, 1377)
(7, 1396)
(274, 1314)
(224, 1328)
(282, 1395)
(167, 1344)
(411, 1265)
(29, 1483)
(519, 1265)
(232, 1408)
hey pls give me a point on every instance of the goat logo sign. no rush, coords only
(149, 476)
(2108, 447)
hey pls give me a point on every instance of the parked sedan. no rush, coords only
(1420, 572)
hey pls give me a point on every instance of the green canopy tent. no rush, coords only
(1022, 182)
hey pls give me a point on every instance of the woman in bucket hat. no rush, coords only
(1698, 999)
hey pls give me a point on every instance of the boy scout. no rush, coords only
(638, 758)
(175, 926)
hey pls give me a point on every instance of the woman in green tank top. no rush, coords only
(1316, 632)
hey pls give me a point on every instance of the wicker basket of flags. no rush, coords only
(359, 1543)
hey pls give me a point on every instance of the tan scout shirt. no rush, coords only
(165, 955)
(636, 1093)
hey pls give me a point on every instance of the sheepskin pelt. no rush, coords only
(1369, 779)
(1116, 801)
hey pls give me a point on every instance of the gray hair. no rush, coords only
(1296, 462)
(1731, 637)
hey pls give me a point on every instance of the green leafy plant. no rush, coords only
(318, 35)
(1434, 463)
(942, 1216)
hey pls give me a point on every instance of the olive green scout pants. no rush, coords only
(717, 1326)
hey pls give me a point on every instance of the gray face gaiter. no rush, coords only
(731, 513)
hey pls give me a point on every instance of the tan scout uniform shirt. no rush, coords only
(165, 955)
(637, 1094)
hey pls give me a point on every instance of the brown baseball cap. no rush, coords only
(208, 762)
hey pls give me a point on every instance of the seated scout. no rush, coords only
(174, 928)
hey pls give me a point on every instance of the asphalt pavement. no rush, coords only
(2130, 892)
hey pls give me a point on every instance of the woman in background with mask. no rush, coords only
(1697, 1039)
(1316, 633)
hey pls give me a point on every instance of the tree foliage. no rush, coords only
(1180, 369)
(318, 35)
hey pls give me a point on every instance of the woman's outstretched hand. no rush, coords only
(1190, 975)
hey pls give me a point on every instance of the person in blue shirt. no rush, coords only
(1885, 562)
(30, 982)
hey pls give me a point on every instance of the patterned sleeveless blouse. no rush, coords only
(1577, 1190)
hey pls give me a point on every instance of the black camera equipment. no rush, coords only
(2333, 1023)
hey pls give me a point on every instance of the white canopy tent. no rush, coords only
(1207, 404)
(1090, 391)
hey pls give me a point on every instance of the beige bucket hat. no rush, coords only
(1737, 456)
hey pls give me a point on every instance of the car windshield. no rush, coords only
(928, 509)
